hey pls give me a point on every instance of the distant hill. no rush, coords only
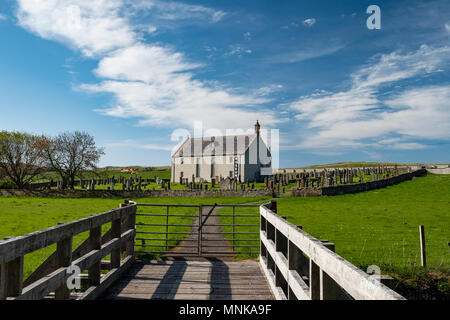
(351, 164)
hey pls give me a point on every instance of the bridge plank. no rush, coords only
(204, 280)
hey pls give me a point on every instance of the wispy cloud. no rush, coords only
(3, 17)
(237, 50)
(309, 22)
(180, 11)
(358, 116)
(305, 54)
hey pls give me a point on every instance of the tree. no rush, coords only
(21, 157)
(71, 153)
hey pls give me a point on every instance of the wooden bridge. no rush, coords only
(291, 265)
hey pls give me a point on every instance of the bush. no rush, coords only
(7, 184)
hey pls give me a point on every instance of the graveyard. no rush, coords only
(281, 183)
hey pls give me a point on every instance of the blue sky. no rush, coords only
(132, 72)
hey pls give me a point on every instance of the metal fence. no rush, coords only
(196, 229)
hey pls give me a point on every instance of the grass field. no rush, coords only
(380, 227)
(22, 215)
(145, 173)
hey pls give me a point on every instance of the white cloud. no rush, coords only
(358, 117)
(237, 50)
(447, 27)
(309, 22)
(153, 83)
(94, 27)
(3, 17)
(265, 91)
(178, 11)
(305, 54)
(143, 63)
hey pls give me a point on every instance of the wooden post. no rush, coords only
(314, 280)
(328, 287)
(64, 259)
(423, 259)
(11, 277)
(94, 272)
(131, 226)
(294, 262)
(273, 206)
(115, 233)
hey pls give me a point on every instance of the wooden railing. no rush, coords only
(300, 267)
(50, 279)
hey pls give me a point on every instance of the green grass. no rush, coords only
(22, 215)
(381, 227)
(245, 252)
(145, 173)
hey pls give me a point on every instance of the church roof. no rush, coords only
(219, 146)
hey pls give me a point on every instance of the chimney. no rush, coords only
(257, 126)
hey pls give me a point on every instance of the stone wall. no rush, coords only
(358, 187)
(135, 194)
(306, 192)
(439, 171)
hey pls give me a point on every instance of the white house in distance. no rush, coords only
(244, 157)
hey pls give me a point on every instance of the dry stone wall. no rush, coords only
(358, 187)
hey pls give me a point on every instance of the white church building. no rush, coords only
(243, 157)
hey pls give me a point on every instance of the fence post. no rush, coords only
(273, 206)
(115, 233)
(11, 275)
(314, 280)
(131, 226)
(328, 287)
(423, 259)
(64, 259)
(94, 272)
(294, 262)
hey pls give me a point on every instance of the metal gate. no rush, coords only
(197, 229)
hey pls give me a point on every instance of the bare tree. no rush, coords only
(21, 157)
(71, 153)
